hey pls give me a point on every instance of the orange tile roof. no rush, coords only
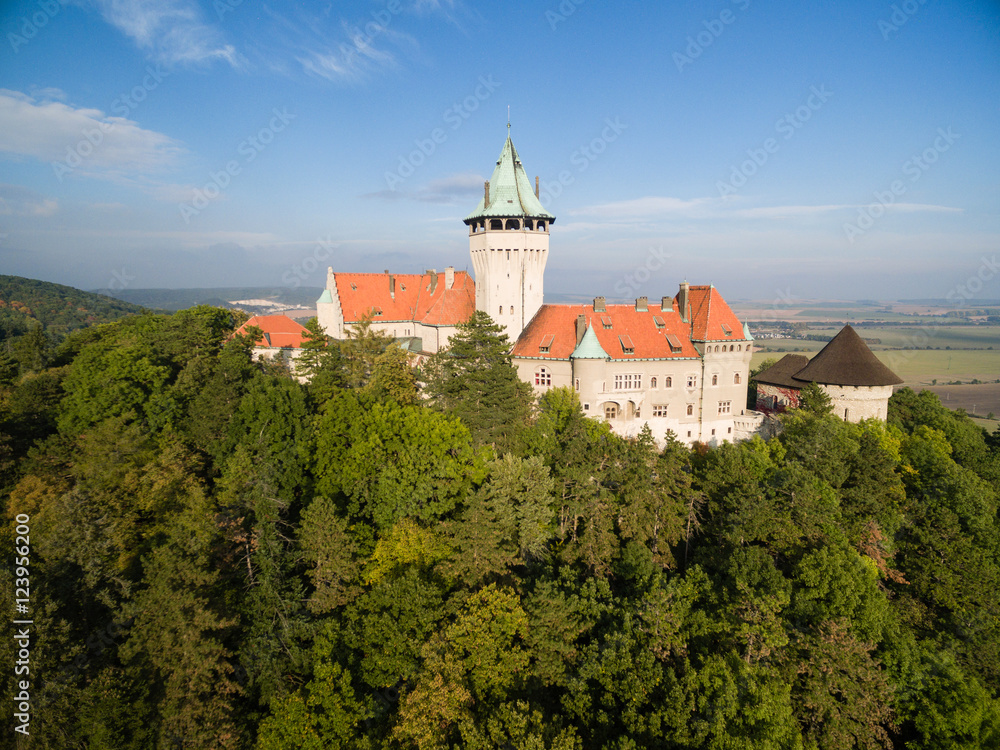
(280, 331)
(632, 327)
(411, 300)
(710, 315)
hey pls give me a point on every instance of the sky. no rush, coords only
(781, 151)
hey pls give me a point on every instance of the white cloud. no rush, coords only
(171, 31)
(79, 138)
(20, 201)
(658, 209)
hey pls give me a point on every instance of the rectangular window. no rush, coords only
(628, 382)
(725, 407)
(659, 410)
(692, 381)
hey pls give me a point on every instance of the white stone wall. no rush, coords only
(595, 383)
(509, 266)
(329, 315)
(853, 403)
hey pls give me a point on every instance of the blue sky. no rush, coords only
(778, 150)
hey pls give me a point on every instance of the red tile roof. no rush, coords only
(411, 300)
(280, 331)
(710, 315)
(632, 327)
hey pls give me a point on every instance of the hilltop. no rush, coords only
(60, 309)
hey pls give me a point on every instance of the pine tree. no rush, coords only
(474, 379)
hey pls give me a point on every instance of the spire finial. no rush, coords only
(508, 117)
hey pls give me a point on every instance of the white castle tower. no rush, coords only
(509, 244)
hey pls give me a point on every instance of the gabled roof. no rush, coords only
(279, 331)
(511, 192)
(411, 297)
(589, 347)
(711, 316)
(847, 360)
(627, 324)
(782, 371)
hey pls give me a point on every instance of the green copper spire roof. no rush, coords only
(325, 297)
(511, 192)
(589, 347)
(746, 333)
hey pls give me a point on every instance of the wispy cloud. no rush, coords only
(20, 201)
(651, 210)
(170, 31)
(50, 130)
(453, 189)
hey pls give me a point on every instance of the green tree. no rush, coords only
(813, 399)
(473, 379)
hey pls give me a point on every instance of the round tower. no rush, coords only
(509, 244)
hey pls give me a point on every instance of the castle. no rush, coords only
(680, 364)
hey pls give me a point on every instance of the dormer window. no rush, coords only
(546, 344)
(659, 321)
(727, 330)
(674, 342)
(606, 322)
(627, 346)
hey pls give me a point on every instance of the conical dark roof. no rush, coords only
(847, 360)
(782, 371)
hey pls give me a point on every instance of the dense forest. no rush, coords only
(28, 304)
(222, 557)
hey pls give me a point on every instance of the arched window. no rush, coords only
(690, 411)
(610, 411)
(511, 309)
(513, 224)
(541, 226)
(668, 382)
(739, 348)
(732, 347)
(715, 380)
(736, 379)
(652, 382)
(543, 376)
(501, 310)
(496, 223)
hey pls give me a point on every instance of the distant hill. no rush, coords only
(60, 309)
(181, 299)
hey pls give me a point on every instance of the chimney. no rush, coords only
(536, 185)
(667, 304)
(599, 304)
(581, 327)
(434, 279)
(682, 301)
(642, 304)
(449, 277)
(392, 286)
(486, 199)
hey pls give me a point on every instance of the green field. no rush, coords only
(908, 337)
